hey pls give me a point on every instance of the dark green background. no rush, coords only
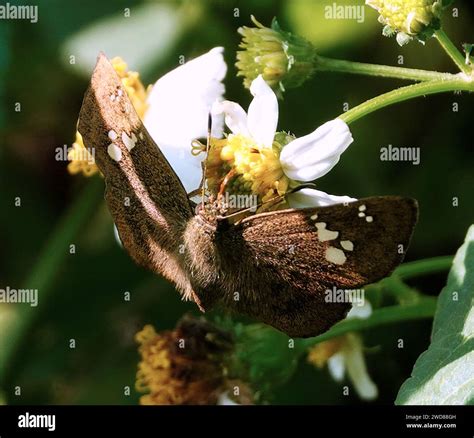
(86, 302)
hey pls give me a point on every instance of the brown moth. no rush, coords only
(274, 267)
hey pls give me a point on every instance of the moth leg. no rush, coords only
(196, 299)
(224, 183)
(199, 190)
(195, 192)
(197, 148)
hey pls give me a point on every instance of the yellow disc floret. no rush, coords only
(182, 366)
(322, 352)
(408, 18)
(246, 168)
(284, 60)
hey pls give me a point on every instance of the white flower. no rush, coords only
(178, 109)
(315, 154)
(303, 159)
(261, 121)
(361, 312)
(177, 114)
(350, 359)
(315, 198)
(225, 400)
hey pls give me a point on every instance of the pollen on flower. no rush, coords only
(133, 85)
(320, 353)
(182, 366)
(246, 168)
(407, 17)
(80, 159)
(349, 348)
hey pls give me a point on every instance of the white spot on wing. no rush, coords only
(335, 255)
(324, 234)
(112, 135)
(314, 217)
(369, 219)
(362, 207)
(129, 142)
(347, 245)
(114, 152)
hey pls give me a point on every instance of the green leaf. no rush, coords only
(444, 374)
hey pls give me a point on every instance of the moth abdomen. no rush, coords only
(202, 262)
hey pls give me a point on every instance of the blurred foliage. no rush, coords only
(86, 301)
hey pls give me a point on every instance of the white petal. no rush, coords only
(187, 167)
(234, 115)
(263, 112)
(305, 198)
(361, 312)
(117, 237)
(315, 154)
(336, 366)
(178, 109)
(225, 400)
(356, 368)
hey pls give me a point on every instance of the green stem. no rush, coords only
(44, 272)
(424, 308)
(386, 71)
(405, 93)
(402, 292)
(424, 267)
(452, 51)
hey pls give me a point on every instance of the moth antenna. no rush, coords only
(208, 144)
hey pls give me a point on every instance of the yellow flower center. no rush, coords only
(236, 165)
(408, 16)
(171, 374)
(322, 352)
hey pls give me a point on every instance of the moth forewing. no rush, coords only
(145, 197)
(125, 152)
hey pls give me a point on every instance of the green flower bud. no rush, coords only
(282, 138)
(409, 19)
(284, 60)
(264, 357)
